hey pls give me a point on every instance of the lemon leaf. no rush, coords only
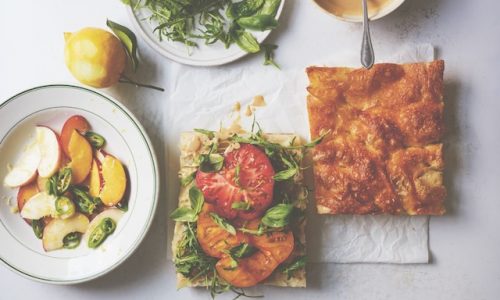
(128, 39)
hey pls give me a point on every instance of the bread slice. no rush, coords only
(191, 144)
(384, 155)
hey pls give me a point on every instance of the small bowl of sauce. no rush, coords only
(352, 10)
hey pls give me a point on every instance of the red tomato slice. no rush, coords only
(253, 185)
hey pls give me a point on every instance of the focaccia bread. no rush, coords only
(191, 144)
(384, 152)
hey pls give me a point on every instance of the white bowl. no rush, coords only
(356, 19)
(51, 105)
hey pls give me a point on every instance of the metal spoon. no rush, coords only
(367, 55)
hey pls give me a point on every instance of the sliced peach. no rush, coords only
(115, 180)
(25, 193)
(95, 181)
(75, 122)
(80, 153)
(41, 183)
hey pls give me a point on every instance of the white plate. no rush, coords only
(203, 55)
(51, 105)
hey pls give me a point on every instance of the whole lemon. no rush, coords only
(94, 56)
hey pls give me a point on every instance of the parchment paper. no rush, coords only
(204, 97)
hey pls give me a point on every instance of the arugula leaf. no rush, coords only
(278, 216)
(237, 174)
(243, 250)
(241, 205)
(294, 266)
(223, 223)
(209, 133)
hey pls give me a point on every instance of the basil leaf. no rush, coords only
(197, 199)
(188, 179)
(209, 133)
(184, 214)
(241, 205)
(243, 250)
(297, 264)
(278, 216)
(285, 174)
(246, 41)
(128, 39)
(244, 8)
(270, 7)
(210, 163)
(223, 223)
(258, 23)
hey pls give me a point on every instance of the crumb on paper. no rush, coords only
(113, 110)
(249, 111)
(9, 167)
(14, 209)
(237, 107)
(258, 101)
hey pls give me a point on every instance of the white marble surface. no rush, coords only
(465, 244)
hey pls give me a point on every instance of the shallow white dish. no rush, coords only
(374, 16)
(51, 105)
(203, 55)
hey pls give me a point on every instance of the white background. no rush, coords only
(465, 244)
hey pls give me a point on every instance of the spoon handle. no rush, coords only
(367, 54)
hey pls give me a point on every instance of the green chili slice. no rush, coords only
(96, 140)
(72, 240)
(65, 208)
(105, 228)
(83, 201)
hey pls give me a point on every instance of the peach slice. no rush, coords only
(95, 181)
(114, 180)
(55, 231)
(41, 183)
(25, 169)
(75, 122)
(50, 151)
(25, 193)
(80, 153)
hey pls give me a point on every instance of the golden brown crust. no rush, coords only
(383, 154)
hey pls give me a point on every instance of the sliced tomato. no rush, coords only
(246, 177)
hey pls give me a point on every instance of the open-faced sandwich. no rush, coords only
(240, 220)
